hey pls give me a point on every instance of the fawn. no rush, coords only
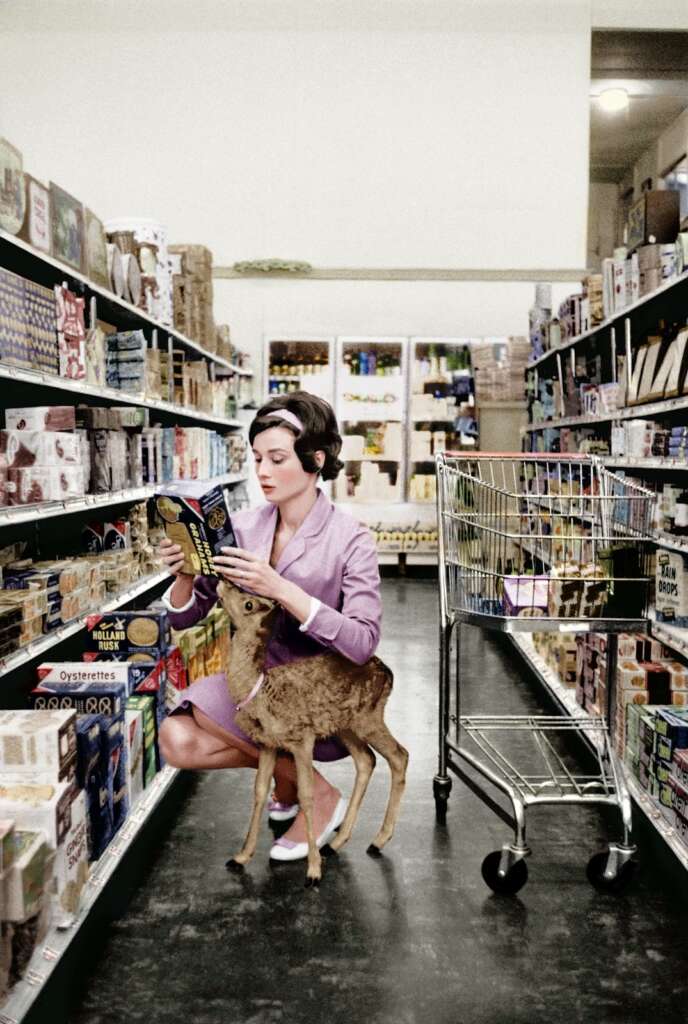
(319, 696)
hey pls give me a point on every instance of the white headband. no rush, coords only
(288, 417)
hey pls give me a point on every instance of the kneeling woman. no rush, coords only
(319, 564)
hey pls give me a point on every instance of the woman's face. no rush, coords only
(279, 471)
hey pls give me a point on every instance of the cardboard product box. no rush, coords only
(29, 485)
(630, 675)
(6, 844)
(37, 807)
(175, 669)
(43, 417)
(679, 766)
(161, 713)
(23, 448)
(199, 520)
(89, 747)
(672, 723)
(133, 734)
(661, 771)
(40, 744)
(679, 799)
(71, 861)
(99, 812)
(118, 792)
(146, 705)
(653, 219)
(27, 880)
(141, 676)
(526, 596)
(143, 632)
(671, 588)
(85, 698)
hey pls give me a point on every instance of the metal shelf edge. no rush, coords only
(34, 650)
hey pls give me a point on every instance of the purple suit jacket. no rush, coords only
(331, 557)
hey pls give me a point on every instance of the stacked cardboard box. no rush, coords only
(192, 281)
(28, 324)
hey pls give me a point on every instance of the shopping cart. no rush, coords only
(532, 543)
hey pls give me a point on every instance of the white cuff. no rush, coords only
(315, 608)
(170, 607)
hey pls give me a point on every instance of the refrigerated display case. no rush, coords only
(371, 409)
(442, 414)
(299, 364)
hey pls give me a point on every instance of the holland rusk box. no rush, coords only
(143, 632)
(199, 521)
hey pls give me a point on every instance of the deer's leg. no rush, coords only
(381, 740)
(364, 762)
(266, 765)
(303, 758)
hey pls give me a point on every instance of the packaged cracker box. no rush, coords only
(199, 521)
(671, 588)
(89, 689)
(39, 744)
(144, 633)
(144, 675)
(45, 417)
(146, 705)
(71, 862)
(26, 882)
(133, 738)
(37, 807)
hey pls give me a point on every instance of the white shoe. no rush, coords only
(285, 849)
(281, 812)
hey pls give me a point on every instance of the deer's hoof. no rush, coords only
(312, 883)
(234, 866)
(374, 851)
(327, 851)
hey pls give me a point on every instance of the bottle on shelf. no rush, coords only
(355, 367)
(372, 363)
(346, 359)
(363, 363)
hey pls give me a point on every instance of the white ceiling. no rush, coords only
(653, 68)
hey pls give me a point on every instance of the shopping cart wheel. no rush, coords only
(508, 884)
(597, 866)
(441, 788)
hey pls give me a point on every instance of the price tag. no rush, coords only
(574, 627)
(34, 977)
(49, 953)
(4, 1019)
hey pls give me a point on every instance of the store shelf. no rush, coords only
(630, 412)
(47, 956)
(610, 321)
(631, 462)
(566, 700)
(90, 502)
(109, 395)
(132, 312)
(39, 647)
(672, 636)
(670, 542)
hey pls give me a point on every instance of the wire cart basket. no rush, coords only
(533, 543)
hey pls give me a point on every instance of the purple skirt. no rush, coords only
(211, 696)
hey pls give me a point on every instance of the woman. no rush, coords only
(319, 564)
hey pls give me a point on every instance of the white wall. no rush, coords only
(447, 134)
(602, 218)
(659, 15)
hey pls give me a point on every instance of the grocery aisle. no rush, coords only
(413, 937)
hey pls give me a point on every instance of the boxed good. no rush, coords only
(525, 596)
(671, 588)
(71, 859)
(146, 705)
(143, 632)
(43, 417)
(679, 799)
(198, 520)
(32, 484)
(89, 747)
(654, 218)
(88, 698)
(565, 590)
(133, 738)
(6, 844)
(27, 879)
(679, 766)
(38, 807)
(40, 744)
(39, 447)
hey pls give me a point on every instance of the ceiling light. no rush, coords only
(613, 100)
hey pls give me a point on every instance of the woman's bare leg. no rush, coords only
(195, 741)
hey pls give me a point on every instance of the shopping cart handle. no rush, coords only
(533, 456)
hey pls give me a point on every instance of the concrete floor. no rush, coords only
(410, 938)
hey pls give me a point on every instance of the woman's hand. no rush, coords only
(172, 557)
(243, 569)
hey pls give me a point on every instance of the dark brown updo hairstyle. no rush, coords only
(320, 431)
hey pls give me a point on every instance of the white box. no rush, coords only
(37, 807)
(71, 861)
(27, 880)
(133, 740)
(40, 745)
